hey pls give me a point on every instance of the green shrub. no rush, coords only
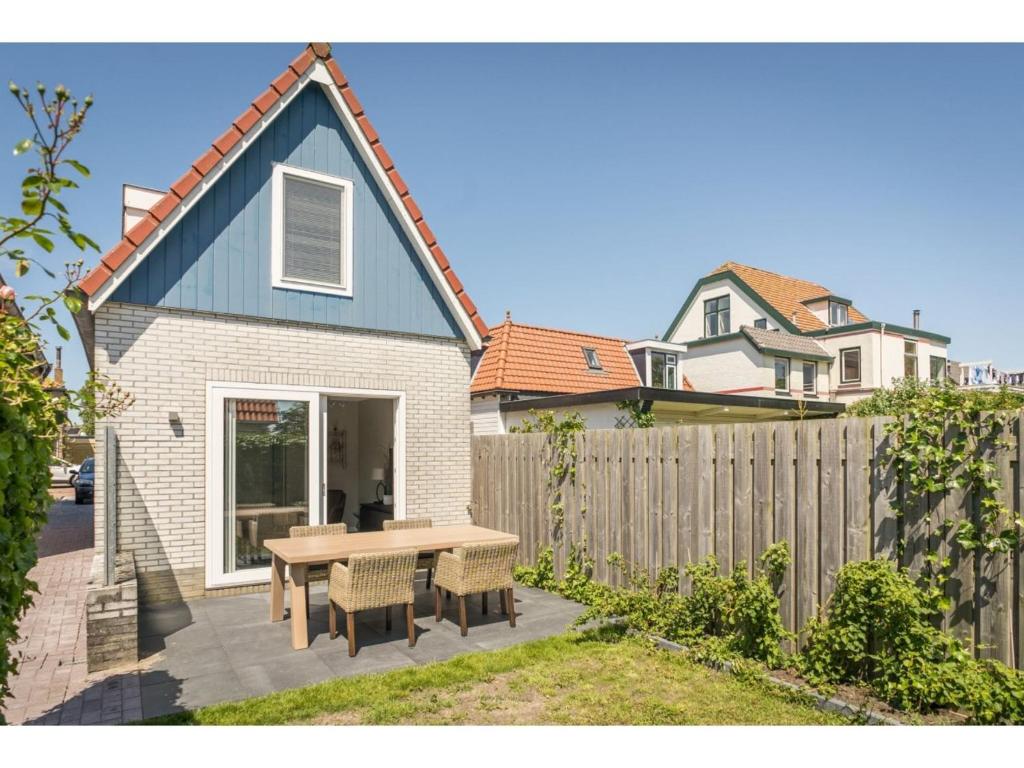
(29, 422)
(879, 631)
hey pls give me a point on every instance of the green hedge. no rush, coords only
(29, 421)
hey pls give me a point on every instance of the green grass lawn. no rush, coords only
(593, 678)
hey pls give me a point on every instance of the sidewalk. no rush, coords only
(52, 686)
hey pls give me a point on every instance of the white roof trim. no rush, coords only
(317, 73)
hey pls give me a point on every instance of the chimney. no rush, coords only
(58, 371)
(917, 319)
(135, 203)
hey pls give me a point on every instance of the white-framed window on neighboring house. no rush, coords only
(593, 362)
(909, 359)
(838, 313)
(810, 371)
(311, 244)
(936, 368)
(663, 370)
(782, 374)
(849, 365)
(716, 316)
(762, 323)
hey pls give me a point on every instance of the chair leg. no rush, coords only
(511, 607)
(463, 624)
(409, 625)
(483, 602)
(504, 603)
(437, 603)
(350, 619)
(387, 619)
(332, 619)
(430, 572)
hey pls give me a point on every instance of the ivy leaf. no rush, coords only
(23, 146)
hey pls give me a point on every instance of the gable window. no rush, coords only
(838, 313)
(909, 359)
(781, 374)
(849, 365)
(937, 368)
(716, 316)
(810, 378)
(593, 363)
(663, 370)
(312, 231)
(762, 323)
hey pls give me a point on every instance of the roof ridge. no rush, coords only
(558, 330)
(729, 265)
(499, 375)
(208, 161)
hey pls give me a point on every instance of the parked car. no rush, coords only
(62, 472)
(84, 481)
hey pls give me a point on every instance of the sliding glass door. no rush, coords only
(265, 477)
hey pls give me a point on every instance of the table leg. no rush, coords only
(277, 589)
(297, 582)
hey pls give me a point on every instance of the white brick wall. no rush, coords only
(164, 358)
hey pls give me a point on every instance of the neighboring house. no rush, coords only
(296, 342)
(984, 376)
(525, 367)
(750, 331)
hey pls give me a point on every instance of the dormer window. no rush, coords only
(312, 231)
(593, 363)
(838, 313)
(716, 317)
(663, 370)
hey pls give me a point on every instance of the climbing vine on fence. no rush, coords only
(945, 439)
(561, 457)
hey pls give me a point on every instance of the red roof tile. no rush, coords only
(525, 358)
(98, 277)
(785, 294)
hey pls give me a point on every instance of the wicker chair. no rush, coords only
(477, 568)
(334, 529)
(426, 560)
(372, 580)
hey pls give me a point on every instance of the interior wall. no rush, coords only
(376, 436)
(343, 416)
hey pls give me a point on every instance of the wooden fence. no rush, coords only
(672, 495)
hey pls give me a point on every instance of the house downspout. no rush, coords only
(881, 359)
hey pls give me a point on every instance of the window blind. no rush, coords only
(312, 231)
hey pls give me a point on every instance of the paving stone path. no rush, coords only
(52, 685)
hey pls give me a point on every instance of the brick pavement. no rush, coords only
(52, 685)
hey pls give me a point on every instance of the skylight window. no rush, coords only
(593, 363)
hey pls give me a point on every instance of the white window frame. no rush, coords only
(278, 280)
(845, 312)
(789, 373)
(219, 391)
(813, 390)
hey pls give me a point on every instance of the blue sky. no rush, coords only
(588, 186)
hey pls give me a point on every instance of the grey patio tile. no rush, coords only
(303, 668)
(191, 661)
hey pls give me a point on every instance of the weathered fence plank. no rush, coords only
(674, 495)
(785, 515)
(742, 497)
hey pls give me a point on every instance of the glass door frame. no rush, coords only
(317, 398)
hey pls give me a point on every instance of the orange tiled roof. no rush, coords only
(242, 125)
(786, 294)
(524, 358)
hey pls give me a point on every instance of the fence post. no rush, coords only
(109, 504)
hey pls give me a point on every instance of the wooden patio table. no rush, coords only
(301, 552)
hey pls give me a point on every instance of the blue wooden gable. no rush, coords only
(217, 258)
